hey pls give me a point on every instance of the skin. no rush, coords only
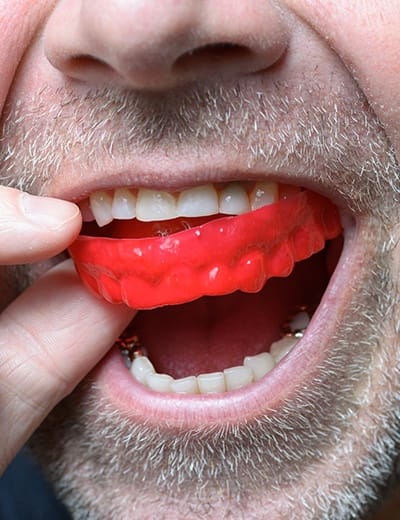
(347, 54)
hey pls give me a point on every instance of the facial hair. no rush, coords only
(104, 466)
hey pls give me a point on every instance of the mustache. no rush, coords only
(327, 132)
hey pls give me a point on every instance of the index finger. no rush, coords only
(51, 336)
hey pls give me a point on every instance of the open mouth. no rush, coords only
(227, 277)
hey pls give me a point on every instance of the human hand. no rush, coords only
(42, 332)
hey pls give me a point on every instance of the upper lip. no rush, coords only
(180, 176)
(250, 130)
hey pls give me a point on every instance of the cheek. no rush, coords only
(396, 255)
(19, 22)
(366, 37)
(34, 73)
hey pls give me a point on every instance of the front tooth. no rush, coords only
(260, 364)
(233, 200)
(237, 377)
(100, 204)
(141, 367)
(264, 193)
(159, 382)
(124, 204)
(155, 205)
(198, 202)
(185, 385)
(213, 383)
(281, 348)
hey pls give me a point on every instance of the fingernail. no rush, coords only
(47, 212)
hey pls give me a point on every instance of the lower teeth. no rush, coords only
(233, 378)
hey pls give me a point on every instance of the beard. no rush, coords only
(328, 451)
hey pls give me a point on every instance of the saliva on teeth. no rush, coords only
(233, 378)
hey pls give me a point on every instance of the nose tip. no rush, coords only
(153, 44)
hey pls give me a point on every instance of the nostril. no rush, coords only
(212, 56)
(85, 60)
(88, 63)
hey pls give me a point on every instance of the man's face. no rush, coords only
(148, 95)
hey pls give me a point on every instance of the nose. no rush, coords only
(161, 44)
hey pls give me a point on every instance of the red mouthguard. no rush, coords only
(216, 258)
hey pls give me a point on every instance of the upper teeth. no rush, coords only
(152, 205)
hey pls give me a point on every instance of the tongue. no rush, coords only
(214, 333)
